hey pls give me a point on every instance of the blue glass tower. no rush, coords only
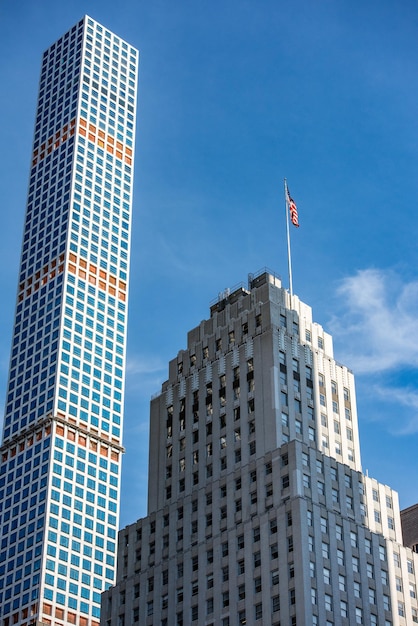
(62, 436)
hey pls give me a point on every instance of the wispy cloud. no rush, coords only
(401, 397)
(139, 365)
(375, 328)
(377, 321)
(144, 375)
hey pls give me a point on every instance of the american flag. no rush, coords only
(292, 208)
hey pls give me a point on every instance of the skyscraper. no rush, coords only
(62, 436)
(258, 511)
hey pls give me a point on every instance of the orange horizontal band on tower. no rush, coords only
(41, 277)
(88, 438)
(103, 140)
(54, 142)
(104, 280)
(79, 267)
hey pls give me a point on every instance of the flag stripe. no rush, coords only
(293, 211)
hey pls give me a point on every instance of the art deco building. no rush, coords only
(62, 437)
(258, 511)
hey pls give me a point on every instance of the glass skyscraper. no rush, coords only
(62, 436)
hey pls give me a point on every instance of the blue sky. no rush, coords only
(234, 95)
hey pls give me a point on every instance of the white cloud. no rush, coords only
(144, 375)
(144, 365)
(377, 325)
(406, 422)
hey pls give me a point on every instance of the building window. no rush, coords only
(310, 543)
(328, 602)
(275, 604)
(258, 611)
(225, 573)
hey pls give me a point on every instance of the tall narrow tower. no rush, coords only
(62, 436)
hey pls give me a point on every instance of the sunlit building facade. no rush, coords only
(62, 436)
(258, 510)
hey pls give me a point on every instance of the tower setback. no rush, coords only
(62, 436)
(258, 511)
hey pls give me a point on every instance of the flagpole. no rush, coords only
(289, 257)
